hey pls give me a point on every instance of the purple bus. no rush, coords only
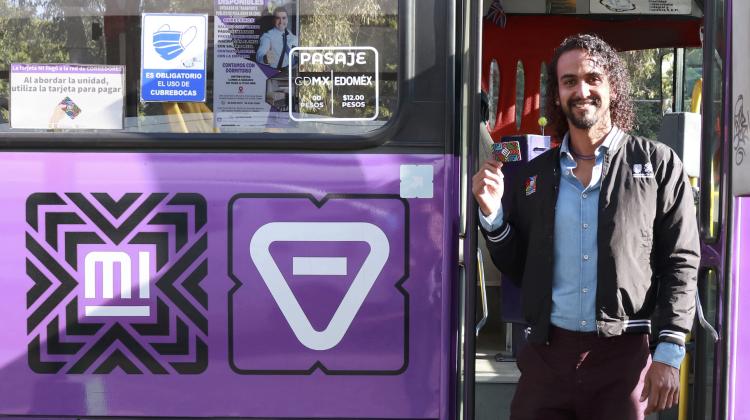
(197, 231)
(258, 208)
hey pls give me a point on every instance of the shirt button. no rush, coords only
(584, 195)
(585, 225)
(583, 323)
(585, 290)
(586, 257)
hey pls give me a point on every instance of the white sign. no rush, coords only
(173, 57)
(66, 96)
(645, 7)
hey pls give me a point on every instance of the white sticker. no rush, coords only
(417, 181)
(66, 96)
(173, 57)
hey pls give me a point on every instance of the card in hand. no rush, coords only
(507, 151)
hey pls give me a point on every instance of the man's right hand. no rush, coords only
(487, 186)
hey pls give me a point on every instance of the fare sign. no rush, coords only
(334, 83)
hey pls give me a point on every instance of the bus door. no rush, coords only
(229, 209)
(661, 45)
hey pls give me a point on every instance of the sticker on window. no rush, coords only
(252, 40)
(173, 57)
(66, 96)
(333, 84)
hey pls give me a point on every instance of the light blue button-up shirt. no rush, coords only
(577, 221)
(575, 247)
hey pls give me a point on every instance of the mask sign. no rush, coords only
(334, 84)
(173, 57)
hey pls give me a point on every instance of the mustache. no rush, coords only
(588, 101)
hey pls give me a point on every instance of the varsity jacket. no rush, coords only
(647, 241)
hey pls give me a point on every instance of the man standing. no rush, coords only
(276, 43)
(601, 235)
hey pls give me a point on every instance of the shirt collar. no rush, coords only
(609, 142)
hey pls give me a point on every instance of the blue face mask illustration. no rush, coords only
(170, 44)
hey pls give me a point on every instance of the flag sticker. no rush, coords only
(531, 185)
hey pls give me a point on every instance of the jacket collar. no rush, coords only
(610, 144)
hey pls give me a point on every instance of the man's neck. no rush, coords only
(585, 141)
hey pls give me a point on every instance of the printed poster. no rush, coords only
(66, 96)
(173, 57)
(646, 7)
(252, 42)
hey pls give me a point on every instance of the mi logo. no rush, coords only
(111, 262)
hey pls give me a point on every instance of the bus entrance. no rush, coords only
(676, 55)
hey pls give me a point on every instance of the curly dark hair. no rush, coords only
(621, 104)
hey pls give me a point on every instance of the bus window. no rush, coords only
(520, 93)
(713, 126)
(692, 80)
(494, 93)
(667, 81)
(543, 90)
(201, 66)
(651, 81)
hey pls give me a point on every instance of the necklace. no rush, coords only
(581, 157)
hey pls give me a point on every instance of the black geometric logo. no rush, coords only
(117, 283)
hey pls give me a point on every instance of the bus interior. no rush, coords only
(668, 56)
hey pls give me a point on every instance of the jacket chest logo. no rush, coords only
(530, 185)
(643, 170)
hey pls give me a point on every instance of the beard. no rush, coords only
(585, 121)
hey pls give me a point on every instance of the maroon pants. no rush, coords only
(580, 376)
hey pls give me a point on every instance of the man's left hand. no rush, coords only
(661, 387)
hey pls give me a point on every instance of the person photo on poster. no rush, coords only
(276, 43)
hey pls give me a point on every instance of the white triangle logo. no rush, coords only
(326, 232)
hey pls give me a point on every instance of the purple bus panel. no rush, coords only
(226, 285)
(738, 406)
(296, 259)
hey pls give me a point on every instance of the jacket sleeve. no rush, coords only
(506, 244)
(676, 251)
